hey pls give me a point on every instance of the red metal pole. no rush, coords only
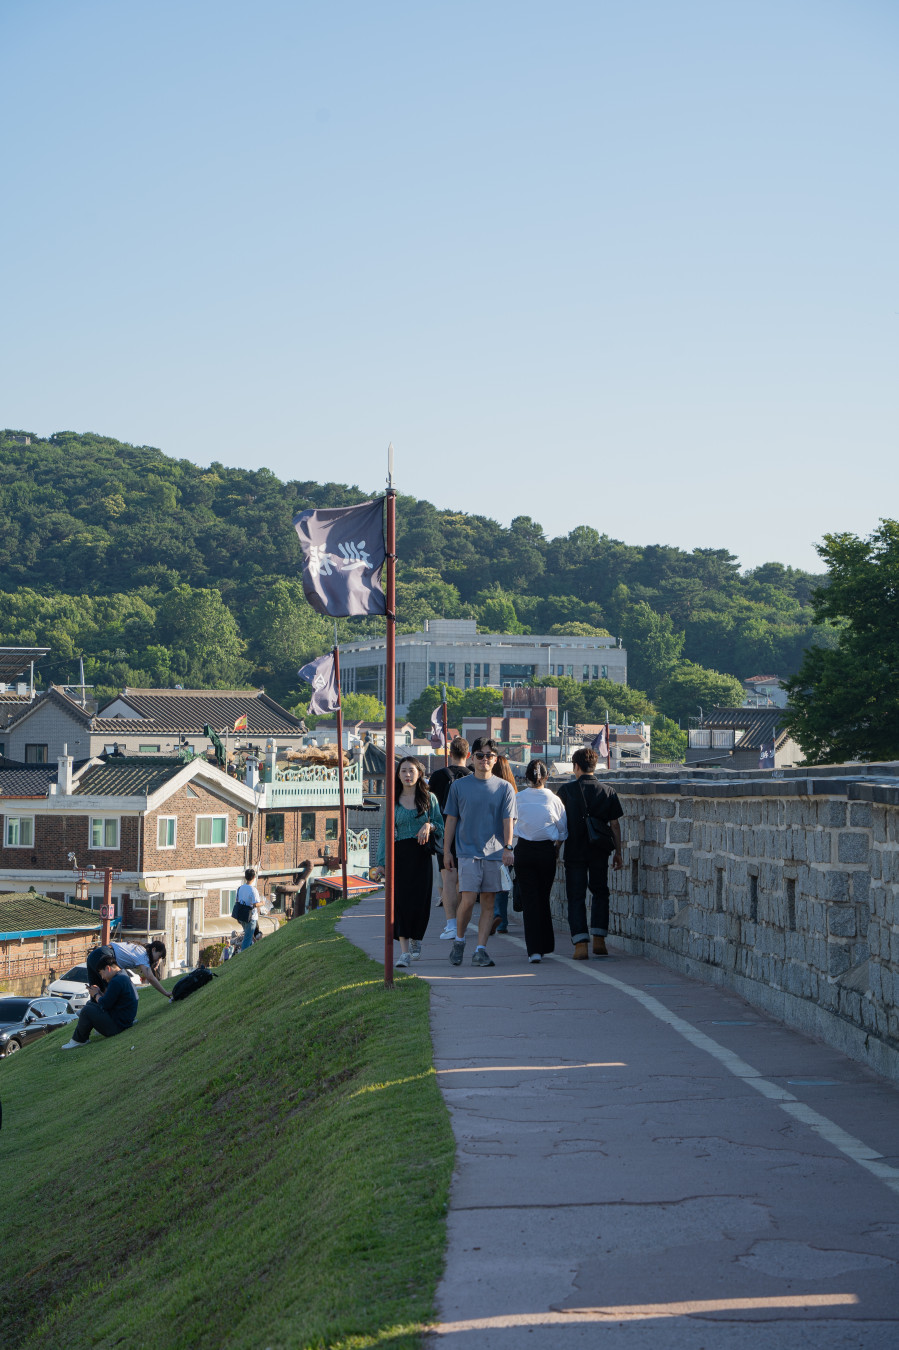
(390, 747)
(608, 748)
(107, 905)
(342, 795)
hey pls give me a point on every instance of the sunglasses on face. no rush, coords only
(484, 754)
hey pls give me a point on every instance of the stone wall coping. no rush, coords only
(851, 787)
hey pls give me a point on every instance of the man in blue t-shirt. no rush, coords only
(110, 1012)
(480, 817)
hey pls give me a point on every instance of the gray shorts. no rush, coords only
(480, 874)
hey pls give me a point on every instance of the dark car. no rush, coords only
(22, 1020)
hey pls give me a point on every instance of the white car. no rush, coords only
(74, 988)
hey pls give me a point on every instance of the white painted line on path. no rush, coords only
(847, 1144)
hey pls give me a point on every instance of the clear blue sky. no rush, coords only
(628, 265)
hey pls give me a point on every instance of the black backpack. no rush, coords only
(190, 983)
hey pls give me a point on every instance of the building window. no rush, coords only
(148, 749)
(243, 821)
(307, 826)
(586, 674)
(486, 672)
(468, 670)
(569, 671)
(605, 672)
(331, 823)
(35, 754)
(20, 831)
(211, 831)
(274, 827)
(467, 681)
(105, 832)
(509, 672)
(442, 671)
(50, 948)
(432, 672)
(226, 903)
(166, 830)
(451, 673)
(367, 680)
(596, 672)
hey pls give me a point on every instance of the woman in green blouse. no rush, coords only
(417, 821)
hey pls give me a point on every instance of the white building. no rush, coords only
(452, 651)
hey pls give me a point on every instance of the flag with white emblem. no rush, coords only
(766, 754)
(438, 730)
(343, 554)
(325, 693)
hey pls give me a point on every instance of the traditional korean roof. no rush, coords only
(27, 914)
(757, 724)
(126, 777)
(26, 780)
(189, 710)
(58, 697)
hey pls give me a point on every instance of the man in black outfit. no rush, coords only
(111, 1009)
(440, 782)
(587, 860)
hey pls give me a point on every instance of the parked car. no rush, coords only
(23, 1020)
(74, 988)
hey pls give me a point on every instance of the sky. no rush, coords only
(625, 265)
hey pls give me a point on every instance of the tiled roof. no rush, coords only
(190, 709)
(62, 700)
(757, 724)
(26, 911)
(7, 697)
(127, 777)
(762, 679)
(128, 726)
(31, 780)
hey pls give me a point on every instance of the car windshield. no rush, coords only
(78, 973)
(13, 1009)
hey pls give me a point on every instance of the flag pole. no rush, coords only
(445, 728)
(608, 746)
(342, 845)
(390, 747)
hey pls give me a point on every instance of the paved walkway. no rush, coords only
(648, 1163)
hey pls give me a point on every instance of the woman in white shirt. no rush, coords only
(540, 829)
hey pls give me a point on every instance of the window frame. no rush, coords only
(213, 843)
(304, 837)
(164, 820)
(7, 823)
(50, 947)
(104, 847)
(37, 745)
(270, 818)
(332, 822)
(225, 913)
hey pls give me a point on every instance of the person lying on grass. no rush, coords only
(109, 1013)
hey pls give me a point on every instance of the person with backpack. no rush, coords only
(439, 783)
(592, 812)
(246, 904)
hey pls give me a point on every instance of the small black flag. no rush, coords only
(766, 754)
(343, 553)
(325, 694)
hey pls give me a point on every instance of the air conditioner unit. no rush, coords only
(242, 837)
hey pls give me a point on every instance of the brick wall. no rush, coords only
(56, 835)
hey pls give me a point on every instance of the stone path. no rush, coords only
(648, 1163)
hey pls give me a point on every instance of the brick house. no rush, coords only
(179, 834)
(37, 934)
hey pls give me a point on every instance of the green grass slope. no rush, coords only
(263, 1165)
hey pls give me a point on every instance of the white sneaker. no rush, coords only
(403, 961)
(415, 950)
(73, 1045)
(449, 931)
(535, 958)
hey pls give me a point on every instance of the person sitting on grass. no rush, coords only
(108, 1012)
(145, 959)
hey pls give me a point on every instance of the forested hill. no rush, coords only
(158, 571)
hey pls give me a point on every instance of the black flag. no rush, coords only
(325, 694)
(343, 553)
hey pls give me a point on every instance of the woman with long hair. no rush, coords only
(542, 825)
(417, 822)
(502, 769)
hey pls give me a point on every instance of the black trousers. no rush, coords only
(93, 1018)
(535, 872)
(592, 871)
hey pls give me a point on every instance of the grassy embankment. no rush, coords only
(263, 1165)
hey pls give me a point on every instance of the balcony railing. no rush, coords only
(312, 785)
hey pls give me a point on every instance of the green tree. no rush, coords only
(459, 703)
(653, 646)
(690, 687)
(668, 744)
(362, 708)
(844, 701)
(207, 649)
(496, 613)
(576, 630)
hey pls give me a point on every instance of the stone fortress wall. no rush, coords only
(783, 886)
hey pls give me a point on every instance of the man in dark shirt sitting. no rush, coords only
(587, 859)
(108, 1012)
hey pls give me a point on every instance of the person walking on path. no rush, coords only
(542, 825)
(502, 769)
(418, 823)
(440, 782)
(248, 895)
(480, 820)
(109, 1012)
(145, 959)
(587, 851)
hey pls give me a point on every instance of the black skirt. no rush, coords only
(413, 878)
